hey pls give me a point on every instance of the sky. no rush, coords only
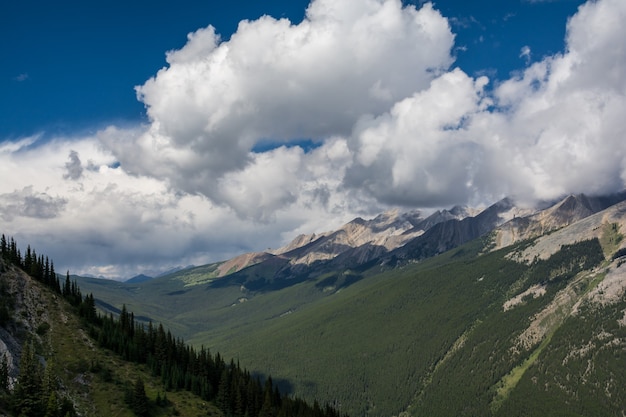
(140, 136)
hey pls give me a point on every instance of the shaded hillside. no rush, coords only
(354, 245)
(449, 234)
(53, 364)
(308, 256)
(357, 242)
(59, 357)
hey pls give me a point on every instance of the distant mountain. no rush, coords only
(448, 234)
(394, 237)
(240, 262)
(356, 242)
(138, 279)
(563, 213)
(359, 241)
(387, 230)
(197, 275)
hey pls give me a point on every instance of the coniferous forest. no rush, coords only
(233, 389)
(467, 333)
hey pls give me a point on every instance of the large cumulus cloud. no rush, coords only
(278, 81)
(378, 76)
(554, 128)
(419, 153)
(372, 84)
(561, 127)
(111, 223)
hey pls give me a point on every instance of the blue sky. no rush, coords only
(73, 65)
(139, 136)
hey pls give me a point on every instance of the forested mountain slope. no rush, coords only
(534, 328)
(58, 357)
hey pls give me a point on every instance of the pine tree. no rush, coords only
(14, 253)
(68, 285)
(28, 260)
(67, 408)
(269, 403)
(140, 400)
(46, 273)
(223, 392)
(27, 394)
(52, 408)
(54, 279)
(4, 249)
(48, 382)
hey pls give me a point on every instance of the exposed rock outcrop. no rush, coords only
(27, 313)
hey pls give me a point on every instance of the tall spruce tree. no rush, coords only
(140, 400)
(52, 405)
(4, 248)
(48, 381)
(68, 285)
(27, 393)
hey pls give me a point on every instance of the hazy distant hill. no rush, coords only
(506, 312)
(138, 278)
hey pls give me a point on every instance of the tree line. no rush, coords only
(233, 389)
(35, 393)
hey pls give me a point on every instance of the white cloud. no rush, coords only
(21, 77)
(370, 82)
(14, 146)
(417, 154)
(28, 203)
(273, 80)
(555, 128)
(525, 53)
(563, 126)
(107, 222)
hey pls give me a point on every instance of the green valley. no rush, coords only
(430, 338)
(535, 327)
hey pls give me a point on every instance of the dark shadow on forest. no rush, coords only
(109, 308)
(285, 386)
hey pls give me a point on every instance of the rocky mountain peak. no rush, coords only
(568, 210)
(240, 262)
(408, 235)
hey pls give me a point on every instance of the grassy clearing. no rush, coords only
(510, 380)
(611, 238)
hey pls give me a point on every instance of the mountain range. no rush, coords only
(461, 312)
(504, 311)
(396, 235)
